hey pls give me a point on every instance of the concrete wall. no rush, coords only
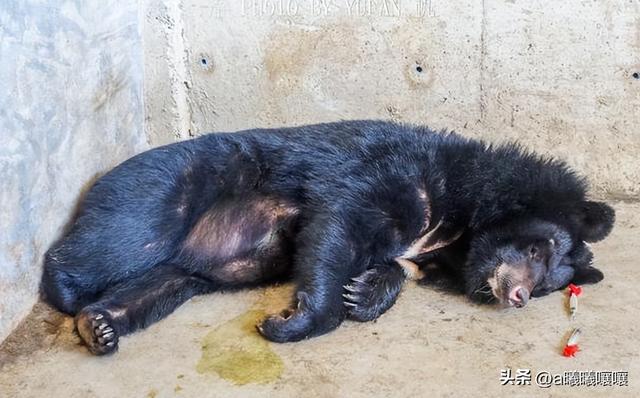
(562, 77)
(558, 76)
(70, 108)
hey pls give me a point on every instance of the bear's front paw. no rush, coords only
(290, 325)
(373, 292)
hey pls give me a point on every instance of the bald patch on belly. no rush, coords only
(231, 228)
(219, 232)
(243, 270)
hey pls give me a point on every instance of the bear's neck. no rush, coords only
(487, 186)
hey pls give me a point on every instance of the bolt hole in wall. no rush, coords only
(419, 69)
(206, 63)
(636, 75)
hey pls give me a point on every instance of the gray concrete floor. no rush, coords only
(429, 344)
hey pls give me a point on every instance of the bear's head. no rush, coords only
(532, 256)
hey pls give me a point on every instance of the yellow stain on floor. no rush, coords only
(236, 352)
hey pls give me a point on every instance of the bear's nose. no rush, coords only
(519, 296)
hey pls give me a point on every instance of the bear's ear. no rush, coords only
(541, 251)
(595, 220)
(587, 275)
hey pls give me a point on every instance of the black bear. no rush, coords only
(349, 209)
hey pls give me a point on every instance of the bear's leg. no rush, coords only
(325, 261)
(135, 304)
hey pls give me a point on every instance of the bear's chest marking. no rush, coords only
(429, 242)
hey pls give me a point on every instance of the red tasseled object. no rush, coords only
(573, 289)
(570, 350)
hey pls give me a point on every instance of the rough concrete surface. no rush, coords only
(70, 108)
(557, 76)
(428, 344)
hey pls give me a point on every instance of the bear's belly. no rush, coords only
(242, 240)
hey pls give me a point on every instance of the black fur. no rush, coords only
(325, 202)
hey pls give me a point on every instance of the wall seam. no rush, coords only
(178, 57)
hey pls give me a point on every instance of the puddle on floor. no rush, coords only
(237, 353)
